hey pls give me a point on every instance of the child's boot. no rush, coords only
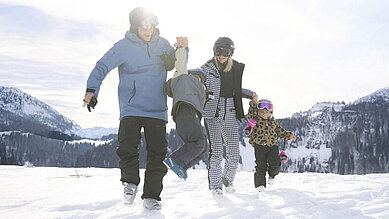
(271, 180)
(260, 189)
(177, 169)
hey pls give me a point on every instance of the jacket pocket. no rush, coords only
(133, 92)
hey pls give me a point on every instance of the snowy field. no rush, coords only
(47, 192)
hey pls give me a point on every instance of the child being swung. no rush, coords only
(265, 134)
(188, 93)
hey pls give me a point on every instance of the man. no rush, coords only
(143, 59)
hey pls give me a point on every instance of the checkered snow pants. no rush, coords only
(225, 126)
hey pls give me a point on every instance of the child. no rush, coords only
(188, 92)
(265, 134)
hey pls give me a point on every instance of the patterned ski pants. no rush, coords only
(225, 126)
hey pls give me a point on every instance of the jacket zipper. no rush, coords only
(225, 108)
(133, 93)
(148, 50)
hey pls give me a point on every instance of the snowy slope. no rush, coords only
(342, 138)
(27, 107)
(382, 94)
(96, 132)
(96, 193)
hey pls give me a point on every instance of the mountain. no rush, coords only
(21, 111)
(331, 137)
(381, 95)
(20, 148)
(341, 138)
(96, 132)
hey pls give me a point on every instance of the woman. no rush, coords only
(222, 113)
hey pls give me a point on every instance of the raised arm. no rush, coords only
(249, 94)
(181, 57)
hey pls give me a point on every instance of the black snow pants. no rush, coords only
(266, 159)
(128, 151)
(191, 131)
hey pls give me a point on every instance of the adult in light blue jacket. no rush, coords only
(143, 58)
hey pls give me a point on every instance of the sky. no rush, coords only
(297, 53)
(53, 192)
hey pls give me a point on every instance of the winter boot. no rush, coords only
(177, 169)
(271, 180)
(151, 204)
(260, 189)
(228, 186)
(217, 192)
(130, 191)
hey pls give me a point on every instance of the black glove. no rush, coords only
(92, 103)
(168, 60)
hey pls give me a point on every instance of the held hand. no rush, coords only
(293, 138)
(255, 97)
(182, 42)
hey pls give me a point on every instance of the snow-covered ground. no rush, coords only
(48, 192)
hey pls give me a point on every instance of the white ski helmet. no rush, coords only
(142, 17)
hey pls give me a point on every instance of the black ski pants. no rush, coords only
(267, 159)
(191, 131)
(128, 151)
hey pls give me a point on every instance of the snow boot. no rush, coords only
(260, 189)
(271, 180)
(228, 187)
(151, 204)
(130, 191)
(217, 191)
(177, 169)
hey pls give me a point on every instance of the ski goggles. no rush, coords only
(149, 22)
(222, 51)
(265, 105)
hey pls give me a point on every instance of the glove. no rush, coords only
(92, 103)
(250, 127)
(168, 60)
(283, 156)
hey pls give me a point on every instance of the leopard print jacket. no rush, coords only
(267, 131)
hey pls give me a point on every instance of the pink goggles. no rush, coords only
(265, 105)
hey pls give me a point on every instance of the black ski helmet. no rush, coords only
(223, 42)
(142, 17)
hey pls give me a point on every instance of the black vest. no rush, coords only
(237, 72)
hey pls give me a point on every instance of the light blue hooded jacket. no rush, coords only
(142, 75)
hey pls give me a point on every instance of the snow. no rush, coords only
(8, 132)
(382, 93)
(19, 103)
(319, 108)
(247, 154)
(93, 142)
(50, 192)
(322, 154)
(96, 132)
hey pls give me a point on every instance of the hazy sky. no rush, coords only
(297, 53)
